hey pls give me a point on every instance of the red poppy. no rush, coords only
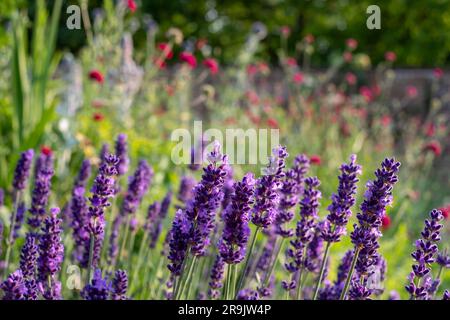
(445, 211)
(385, 222)
(390, 56)
(212, 65)
(166, 50)
(46, 150)
(351, 43)
(316, 160)
(98, 117)
(96, 75)
(434, 146)
(160, 63)
(298, 78)
(131, 5)
(273, 123)
(188, 58)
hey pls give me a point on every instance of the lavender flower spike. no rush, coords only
(137, 187)
(178, 242)
(208, 196)
(14, 287)
(425, 255)
(22, 171)
(120, 286)
(236, 232)
(217, 272)
(102, 190)
(335, 225)
(122, 153)
(365, 235)
(267, 188)
(41, 191)
(98, 288)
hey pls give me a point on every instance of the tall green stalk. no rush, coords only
(247, 261)
(10, 241)
(350, 275)
(322, 270)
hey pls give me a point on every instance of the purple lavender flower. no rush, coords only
(248, 294)
(104, 151)
(178, 241)
(41, 191)
(20, 216)
(113, 249)
(102, 190)
(335, 225)
(228, 188)
(304, 232)
(29, 256)
(265, 258)
(120, 286)
(443, 259)
(185, 192)
(162, 214)
(426, 250)
(98, 289)
(291, 190)
(393, 295)
(446, 295)
(122, 153)
(216, 276)
(198, 154)
(83, 174)
(365, 235)
(233, 243)
(137, 187)
(314, 250)
(14, 287)
(22, 172)
(80, 225)
(208, 195)
(267, 188)
(51, 254)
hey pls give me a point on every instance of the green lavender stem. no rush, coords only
(91, 257)
(350, 275)
(11, 233)
(247, 260)
(187, 279)
(274, 263)
(322, 270)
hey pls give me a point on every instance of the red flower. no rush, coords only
(252, 97)
(252, 69)
(298, 78)
(131, 5)
(351, 43)
(350, 78)
(166, 50)
(445, 211)
(366, 93)
(390, 56)
(263, 68)
(435, 147)
(212, 65)
(347, 56)
(430, 129)
(97, 104)
(96, 75)
(273, 123)
(411, 91)
(385, 222)
(98, 117)
(309, 38)
(160, 63)
(316, 160)
(188, 58)
(386, 120)
(285, 31)
(46, 150)
(291, 62)
(438, 73)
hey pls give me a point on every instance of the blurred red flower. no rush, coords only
(298, 78)
(434, 146)
(316, 160)
(212, 65)
(411, 91)
(131, 5)
(273, 123)
(430, 129)
(309, 38)
(188, 58)
(438, 73)
(386, 120)
(390, 56)
(166, 50)
(291, 62)
(366, 93)
(252, 69)
(348, 56)
(445, 211)
(98, 117)
(252, 97)
(351, 43)
(385, 222)
(96, 75)
(160, 63)
(350, 78)
(46, 150)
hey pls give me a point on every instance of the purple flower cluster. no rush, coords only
(28, 263)
(424, 256)
(216, 276)
(248, 294)
(98, 289)
(178, 241)
(22, 171)
(185, 192)
(267, 189)
(51, 254)
(14, 287)
(365, 235)
(137, 187)
(306, 226)
(119, 286)
(233, 243)
(41, 191)
(291, 191)
(121, 148)
(208, 195)
(335, 225)
(156, 229)
(102, 190)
